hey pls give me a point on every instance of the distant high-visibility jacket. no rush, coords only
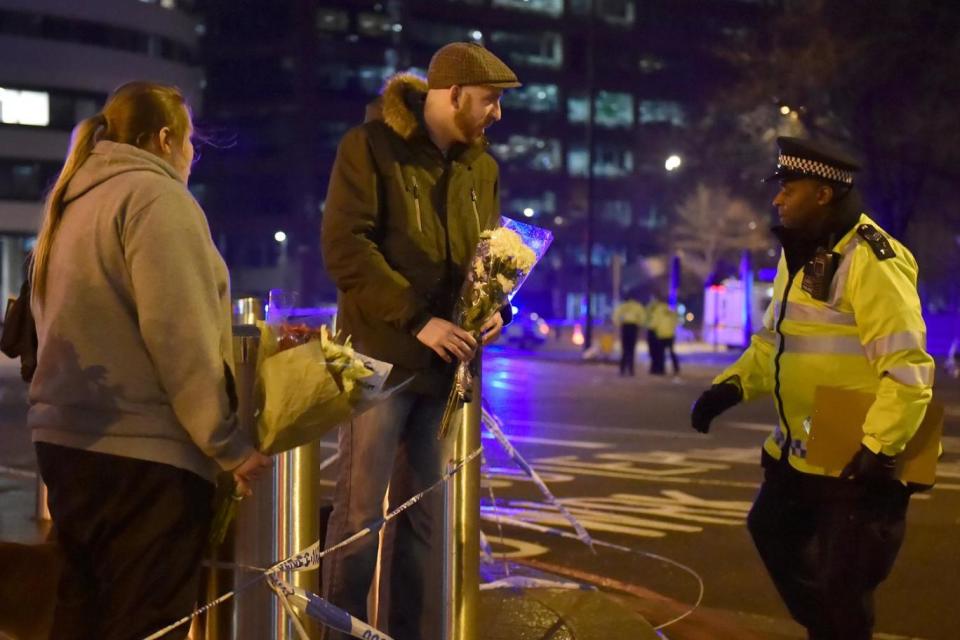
(630, 312)
(868, 336)
(662, 320)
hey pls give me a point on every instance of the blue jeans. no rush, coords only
(393, 445)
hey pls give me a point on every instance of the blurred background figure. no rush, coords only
(630, 315)
(662, 321)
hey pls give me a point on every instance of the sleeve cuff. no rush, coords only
(420, 319)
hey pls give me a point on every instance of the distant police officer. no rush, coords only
(845, 313)
(629, 315)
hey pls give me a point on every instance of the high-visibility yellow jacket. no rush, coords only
(868, 336)
(662, 320)
(630, 312)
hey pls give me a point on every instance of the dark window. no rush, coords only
(30, 24)
(26, 179)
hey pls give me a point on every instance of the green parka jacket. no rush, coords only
(400, 225)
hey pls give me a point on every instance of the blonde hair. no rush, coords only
(133, 114)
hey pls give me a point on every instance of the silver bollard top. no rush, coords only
(246, 311)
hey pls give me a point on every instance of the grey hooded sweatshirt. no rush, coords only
(135, 327)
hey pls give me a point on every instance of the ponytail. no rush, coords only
(82, 141)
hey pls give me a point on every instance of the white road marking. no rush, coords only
(575, 444)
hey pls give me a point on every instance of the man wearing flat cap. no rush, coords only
(410, 192)
(846, 314)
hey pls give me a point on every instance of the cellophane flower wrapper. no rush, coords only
(503, 259)
(307, 384)
(305, 387)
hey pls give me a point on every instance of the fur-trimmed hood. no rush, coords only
(400, 107)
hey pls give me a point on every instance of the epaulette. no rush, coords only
(877, 241)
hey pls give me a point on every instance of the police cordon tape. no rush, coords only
(493, 424)
(310, 557)
(324, 612)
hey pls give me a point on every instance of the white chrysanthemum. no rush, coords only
(506, 284)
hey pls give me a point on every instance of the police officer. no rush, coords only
(845, 313)
(629, 315)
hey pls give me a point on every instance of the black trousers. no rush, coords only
(667, 344)
(628, 347)
(657, 356)
(132, 534)
(827, 544)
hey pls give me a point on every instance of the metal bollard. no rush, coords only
(461, 534)
(42, 511)
(280, 519)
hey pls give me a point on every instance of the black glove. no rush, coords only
(870, 467)
(712, 403)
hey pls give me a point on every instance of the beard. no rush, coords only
(469, 128)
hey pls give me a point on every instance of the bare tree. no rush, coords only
(711, 225)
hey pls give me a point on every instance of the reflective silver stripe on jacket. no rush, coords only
(826, 345)
(767, 335)
(900, 341)
(839, 284)
(912, 375)
(797, 312)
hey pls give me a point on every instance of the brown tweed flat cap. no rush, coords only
(466, 63)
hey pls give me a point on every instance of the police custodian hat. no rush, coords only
(468, 63)
(802, 158)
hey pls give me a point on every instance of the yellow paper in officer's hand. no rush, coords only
(837, 430)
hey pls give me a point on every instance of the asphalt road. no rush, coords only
(619, 454)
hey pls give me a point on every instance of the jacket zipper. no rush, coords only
(776, 367)
(476, 213)
(416, 202)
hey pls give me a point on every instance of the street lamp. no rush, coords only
(528, 212)
(673, 162)
(280, 237)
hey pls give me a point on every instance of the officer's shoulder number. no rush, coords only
(877, 241)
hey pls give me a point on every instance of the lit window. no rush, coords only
(332, 20)
(553, 8)
(612, 162)
(661, 111)
(609, 162)
(650, 64)
(578, 162)
(25, 107)
(529, 152)
(374, 24)
(535, 50)
(578, 109)
(618, 12)
(542, 204)
(614, 109)
(538, 98)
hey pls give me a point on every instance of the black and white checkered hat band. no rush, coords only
(814, 168)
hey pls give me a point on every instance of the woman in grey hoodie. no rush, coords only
(132, 408)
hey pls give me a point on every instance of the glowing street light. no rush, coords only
(785, 110)
(673, 163)
(528, 212)
(280, 237)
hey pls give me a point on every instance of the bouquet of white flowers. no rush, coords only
(502, 261)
